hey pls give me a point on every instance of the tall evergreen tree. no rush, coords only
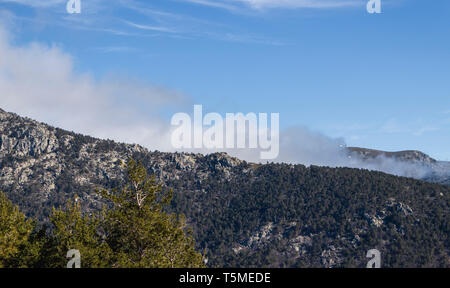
(18, 248)
(73, 230)
(140, 232)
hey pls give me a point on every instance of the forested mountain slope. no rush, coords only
(244, 214)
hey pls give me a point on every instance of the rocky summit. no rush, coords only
(44, 165)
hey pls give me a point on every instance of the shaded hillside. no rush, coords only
(293, 216)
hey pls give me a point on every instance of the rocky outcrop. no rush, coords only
(430, 169)
(38, 162)
(405, 156)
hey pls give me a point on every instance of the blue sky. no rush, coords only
(377, 80)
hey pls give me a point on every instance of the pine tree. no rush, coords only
(73, 230)
(17, 246)
(140, 232)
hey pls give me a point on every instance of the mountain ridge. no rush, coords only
(404, 155)
(437, 171)
(243, 214)
(59, 154)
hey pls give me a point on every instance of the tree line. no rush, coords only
(133, 230)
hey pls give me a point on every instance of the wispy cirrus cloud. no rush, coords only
(216, 4)
(150, 27)
(36, 3)
(415, 128)
(147, 20)
(299, 3)
(116, 49)
(235, 5)
(424, 130)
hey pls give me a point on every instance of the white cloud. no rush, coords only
(392, 126)
(233, 5)
(39, 82)
(116, 49)
(416, 128)
(424, 130)
(216, 4)
(258, 4)
(150, 27)
(36, 3)
(99, 16)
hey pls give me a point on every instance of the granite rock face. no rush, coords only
(40, 164)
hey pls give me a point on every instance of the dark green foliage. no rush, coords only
(329, 205)
(140, 233)
(132, 232)
(327, 214)
(19, 239)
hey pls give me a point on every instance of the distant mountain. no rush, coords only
(407, 156)
(437, 171)
(243, 214)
